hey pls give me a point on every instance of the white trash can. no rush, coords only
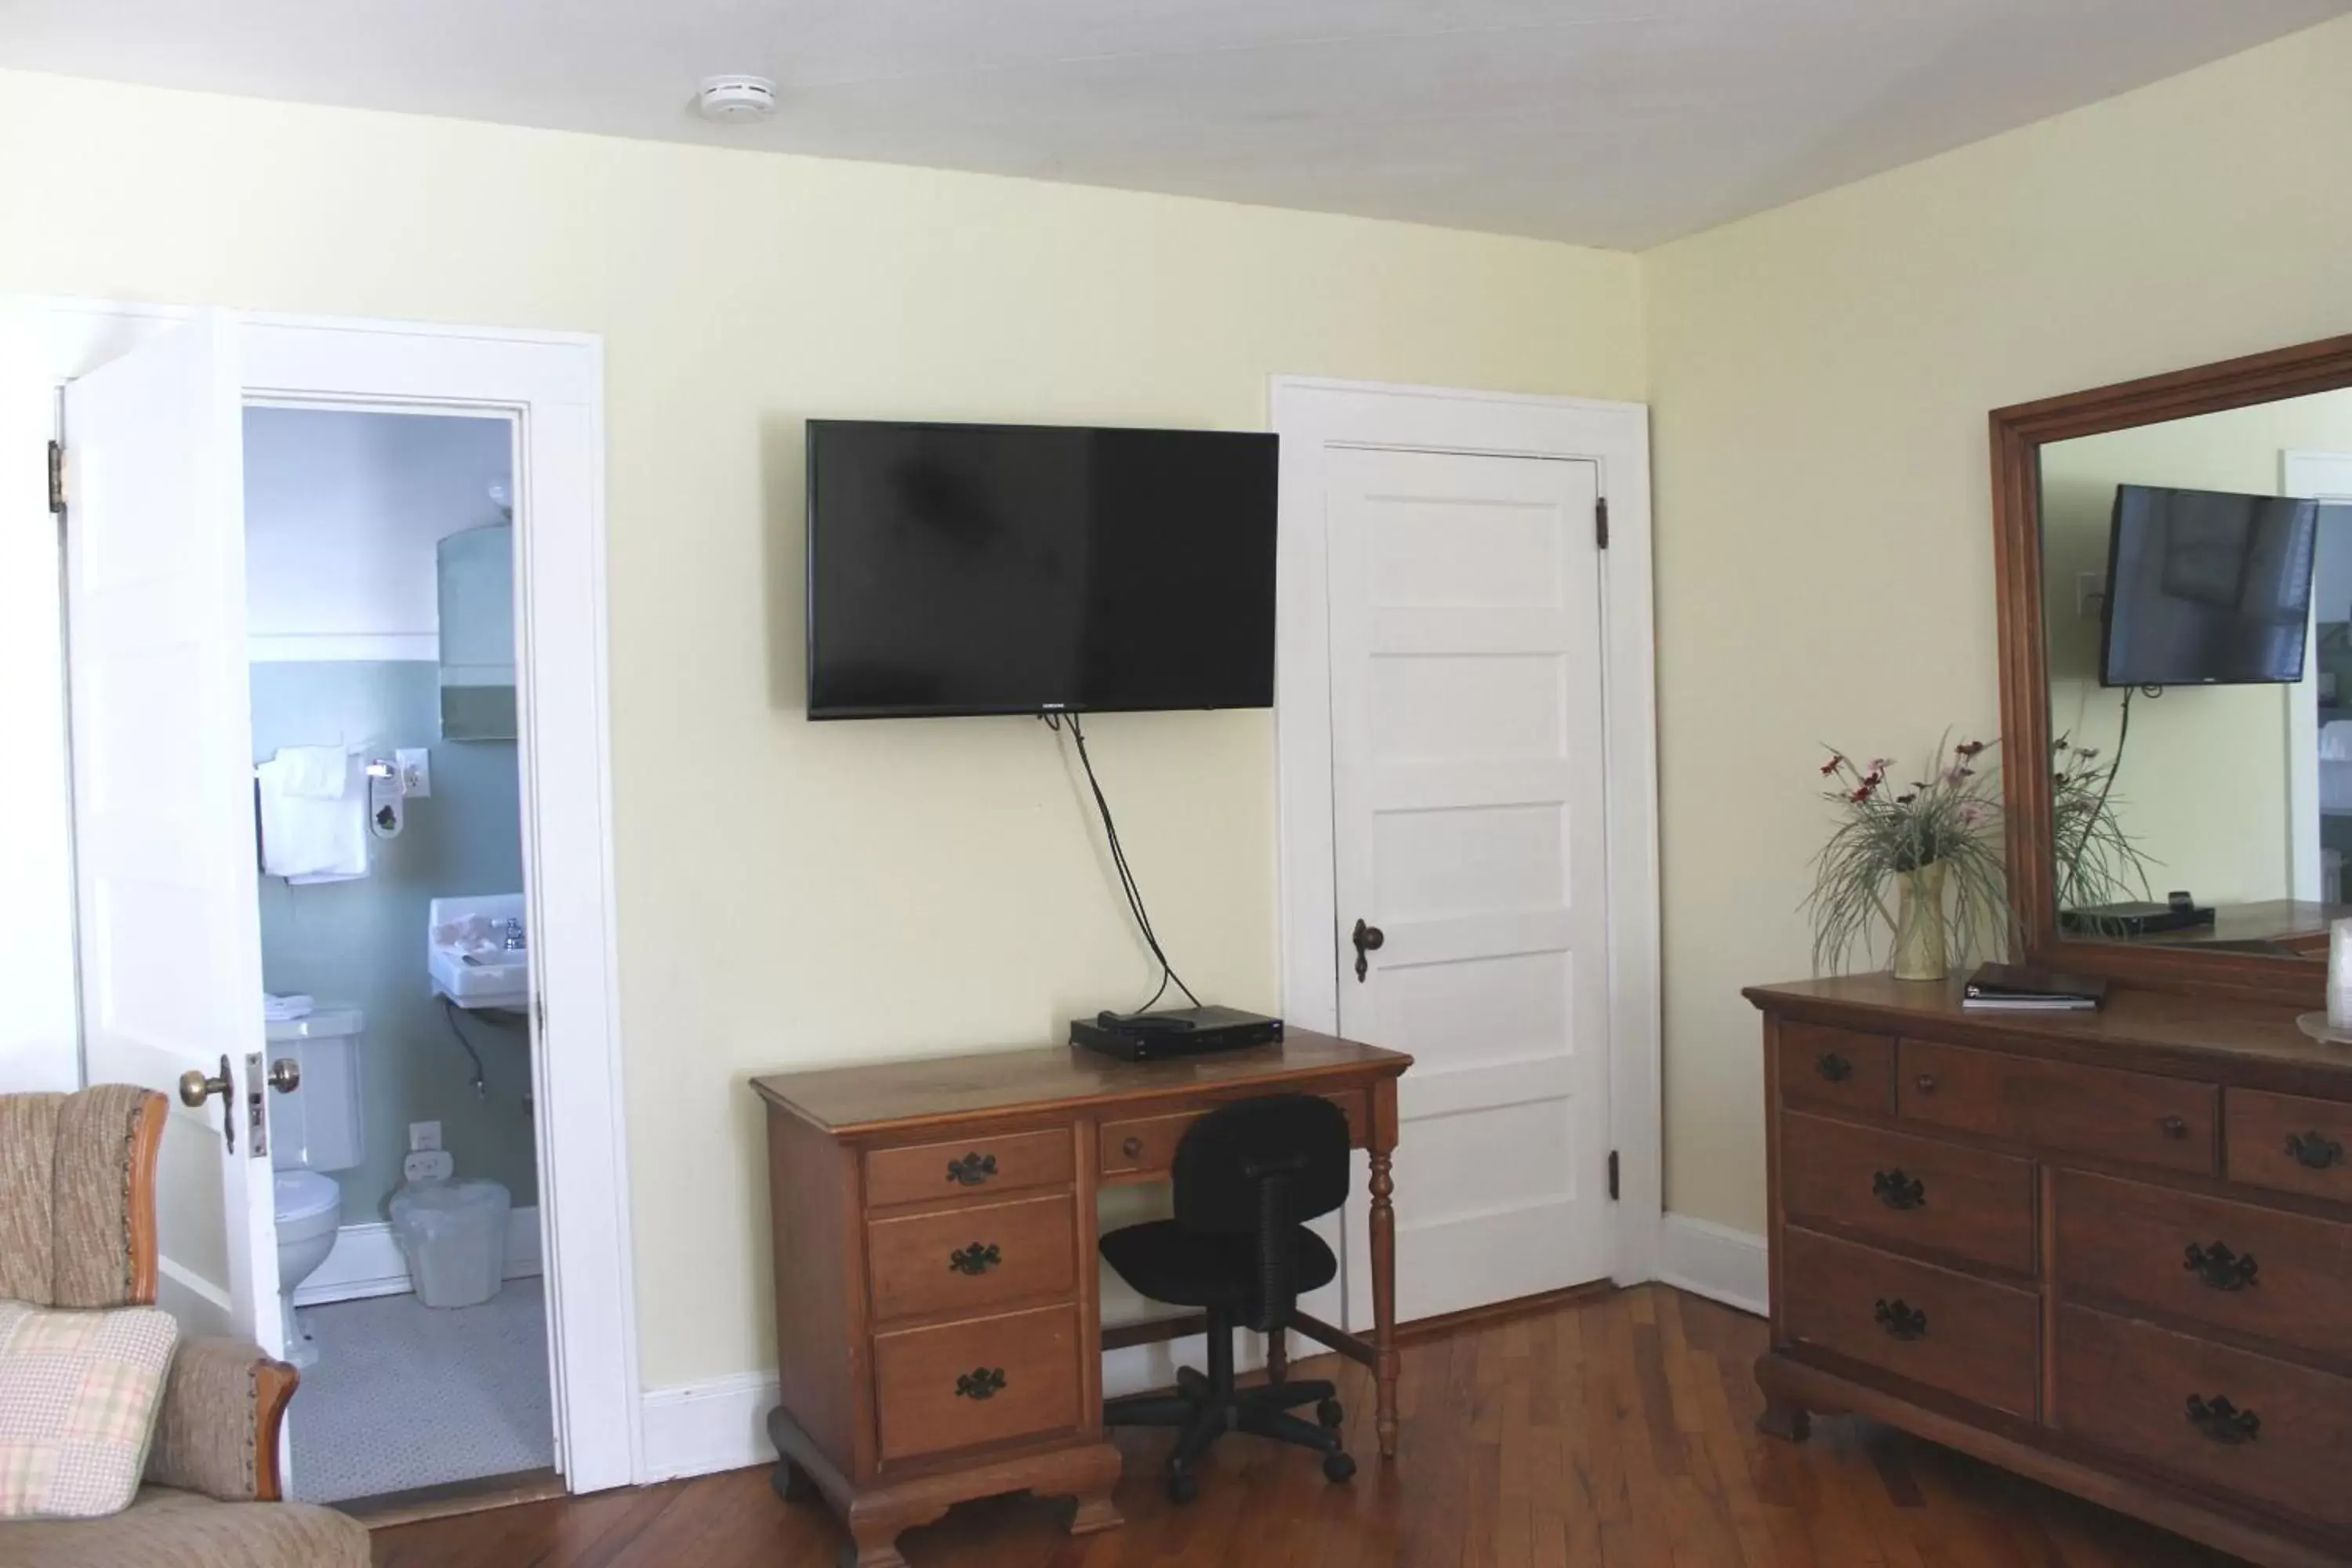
(454, 1237)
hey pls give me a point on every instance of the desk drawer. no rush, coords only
(969, 1168)
(1837, 1069)
(1918, 1192)
(2290, 1143)
(985, 1382)
(1146, 1145)
(970, 1258)
(2282, 1439)
(2134, 1116)
(2282, 1277)
(1952, 1332)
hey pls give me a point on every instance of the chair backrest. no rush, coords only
(78, 1196)
(1257, 1168)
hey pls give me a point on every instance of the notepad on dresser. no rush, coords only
(2012, 988)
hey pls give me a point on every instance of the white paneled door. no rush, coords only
(1469, 833)
(162, 771)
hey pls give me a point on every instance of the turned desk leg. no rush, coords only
(1383, 1228)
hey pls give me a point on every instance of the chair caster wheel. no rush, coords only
(1329, 1414)
(1182, 1486)
(1337, 1466)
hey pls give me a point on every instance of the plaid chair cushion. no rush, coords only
(79, 1394)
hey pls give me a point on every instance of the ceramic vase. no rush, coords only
(1919, 945)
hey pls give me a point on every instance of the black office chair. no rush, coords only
(1245, 1174)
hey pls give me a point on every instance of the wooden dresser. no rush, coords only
(2112, 1251)
(938, 1329)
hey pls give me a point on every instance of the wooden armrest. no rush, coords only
(224, 1405)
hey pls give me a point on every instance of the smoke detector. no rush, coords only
(735, 99)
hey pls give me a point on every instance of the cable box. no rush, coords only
(1178, 1032)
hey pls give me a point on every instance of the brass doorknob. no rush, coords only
(285, 1074)
(196, 1087)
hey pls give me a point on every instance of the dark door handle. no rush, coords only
(2314, 1151)
(2224, 1422)
(1367, 938)
(2219, 1268)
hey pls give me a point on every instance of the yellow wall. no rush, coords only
(1820, 376)
(794, 893)
(2203, 782)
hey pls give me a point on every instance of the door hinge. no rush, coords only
(1612, 1174)
(1601, 523)
(56, 479)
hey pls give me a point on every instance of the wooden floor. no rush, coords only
(1614, 1431)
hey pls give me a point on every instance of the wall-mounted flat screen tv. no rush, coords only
(963, 569)
(2206, 588)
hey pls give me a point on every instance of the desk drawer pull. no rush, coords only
(2314, 1151)
(1131, 1147)
(2173, 1127)
(972, 1170)
(2219, 1268)
(981, 1383)
(1898, 1191)
(1900, 1319)
(1925, 1083)
(2224, 1422)
(977, 1258)
(1833, 1067)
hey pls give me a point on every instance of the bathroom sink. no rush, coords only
(466, 955)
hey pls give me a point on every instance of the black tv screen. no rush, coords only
(956, 569)
(2206, 588)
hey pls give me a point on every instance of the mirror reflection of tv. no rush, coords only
(2206, 588)
(972, 569)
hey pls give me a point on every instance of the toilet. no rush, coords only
(313, 1130)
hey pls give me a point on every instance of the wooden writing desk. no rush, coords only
(937, 1323)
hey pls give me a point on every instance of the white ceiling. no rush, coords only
(1615, 122)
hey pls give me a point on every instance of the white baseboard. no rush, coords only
(367, 1261)
(1715, 1261)
(698, 1429)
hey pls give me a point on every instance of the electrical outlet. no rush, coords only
(415, 766)
(423, 1135)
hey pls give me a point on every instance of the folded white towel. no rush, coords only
(2335, 740)
(313, 773)
(311, 838)
(285, 1009)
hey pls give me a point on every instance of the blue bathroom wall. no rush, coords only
(363, 941)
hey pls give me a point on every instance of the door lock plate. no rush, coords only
(257, 1115)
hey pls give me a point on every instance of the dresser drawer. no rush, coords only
(1146, 1145)
(968, 1168)
(987, 1380)
(972, 1258)
(2292, 1144)
(1837, 1069)
(2281, 1277)
(1917, 1191)
(2134, 1116)
(1952, 1332)
(2281, 1439)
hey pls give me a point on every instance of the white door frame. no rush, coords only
(552, 385)
(2304, 473)
(1311, 414)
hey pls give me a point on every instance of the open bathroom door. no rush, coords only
(168, 928)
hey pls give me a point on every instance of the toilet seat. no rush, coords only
(305, 1194)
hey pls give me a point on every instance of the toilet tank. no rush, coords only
(316, 1126)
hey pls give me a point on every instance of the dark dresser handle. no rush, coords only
(972, 1170)
(2219, 1268)
(1925, 1083)
(1833, 1067)
(2173, 1127)
(981, 1383)
(2315, 1150)
(977, 1258)
(1900, 1319)
(1132, 1148)
(2224, 1422)
(1898, 1191)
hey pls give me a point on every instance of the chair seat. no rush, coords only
(180, 1530)
(1189, 1268)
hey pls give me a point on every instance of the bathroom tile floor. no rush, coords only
(406, 1396)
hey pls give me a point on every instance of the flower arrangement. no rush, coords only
(1937, 839)
(2097, 862)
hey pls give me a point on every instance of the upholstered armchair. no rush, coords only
(77, 1230)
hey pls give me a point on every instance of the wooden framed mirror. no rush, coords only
(2176, 545)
